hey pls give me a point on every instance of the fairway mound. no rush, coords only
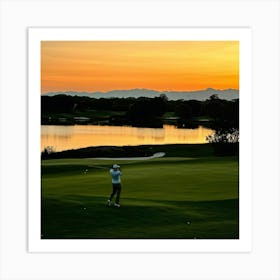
(156, 155)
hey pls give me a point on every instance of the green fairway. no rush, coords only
(171, 197)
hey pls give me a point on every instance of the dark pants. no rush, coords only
(116, 190)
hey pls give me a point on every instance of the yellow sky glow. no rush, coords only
(160, 65)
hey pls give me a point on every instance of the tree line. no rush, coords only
(145, 111)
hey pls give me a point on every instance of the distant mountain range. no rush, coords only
(227, 94)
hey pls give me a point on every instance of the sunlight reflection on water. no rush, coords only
(80, 136)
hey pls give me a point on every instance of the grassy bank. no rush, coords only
(180, 196)
(172, 150)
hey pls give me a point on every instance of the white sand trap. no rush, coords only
(156, 155)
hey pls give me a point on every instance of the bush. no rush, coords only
(47, 151)
(225, 142)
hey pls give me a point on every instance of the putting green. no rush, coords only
(161, 198)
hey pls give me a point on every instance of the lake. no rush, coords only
(81, 136)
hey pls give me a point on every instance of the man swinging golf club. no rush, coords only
(116, 183)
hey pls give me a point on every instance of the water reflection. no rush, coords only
(80, 136)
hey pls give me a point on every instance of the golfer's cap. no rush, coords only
(116, 166)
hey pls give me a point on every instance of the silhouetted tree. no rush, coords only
(225, 141)
(146, 112)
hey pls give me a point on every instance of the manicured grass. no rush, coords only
(178, 197)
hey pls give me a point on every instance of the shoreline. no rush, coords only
(114, 152)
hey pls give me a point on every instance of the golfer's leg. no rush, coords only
(113, 193)
(118, 195)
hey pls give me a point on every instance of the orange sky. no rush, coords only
(160, 65)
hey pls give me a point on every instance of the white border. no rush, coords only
(263, 16)
(243, 244)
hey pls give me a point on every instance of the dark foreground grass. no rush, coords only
(161, 198)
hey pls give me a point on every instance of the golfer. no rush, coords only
(116, 183)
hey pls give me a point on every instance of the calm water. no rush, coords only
(81, 136)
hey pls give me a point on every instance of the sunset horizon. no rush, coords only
(103, 66)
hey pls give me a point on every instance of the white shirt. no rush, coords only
(116, 176)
